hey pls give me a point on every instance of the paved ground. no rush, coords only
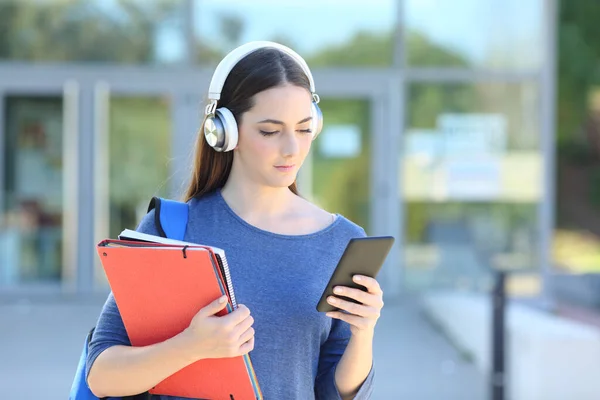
(40, 344)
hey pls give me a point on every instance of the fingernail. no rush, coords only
(357, 278)
(332, 299)
(337, 290)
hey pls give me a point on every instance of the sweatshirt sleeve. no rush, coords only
(110, 331)
(331, 352)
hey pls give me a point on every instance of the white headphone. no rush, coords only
(220, 127)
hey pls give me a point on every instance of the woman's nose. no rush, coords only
(290, 145)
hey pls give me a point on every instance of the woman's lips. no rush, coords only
(285, 168)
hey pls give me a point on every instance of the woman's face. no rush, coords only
(275, 136)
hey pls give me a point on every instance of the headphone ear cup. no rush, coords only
(214, 132)
(230, 128)
(317, 119)
(220, 130)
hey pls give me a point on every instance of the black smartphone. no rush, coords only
(362, 256)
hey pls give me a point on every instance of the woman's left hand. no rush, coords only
(361, 317)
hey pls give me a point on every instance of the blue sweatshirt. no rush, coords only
(280, 279)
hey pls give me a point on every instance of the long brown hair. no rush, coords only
(261, 70)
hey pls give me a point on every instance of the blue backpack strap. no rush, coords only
(79, 388)
(170, 217)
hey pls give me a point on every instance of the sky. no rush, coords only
(471, 27)
(308, 25)
(474, 25)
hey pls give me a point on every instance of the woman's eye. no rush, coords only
(268, 133)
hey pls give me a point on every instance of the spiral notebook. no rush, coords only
(159, 286)
(131, 235)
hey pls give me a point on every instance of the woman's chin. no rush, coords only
(282, 182)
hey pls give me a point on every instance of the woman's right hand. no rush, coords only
(212, 336)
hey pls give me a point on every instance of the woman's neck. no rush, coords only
(249, 200)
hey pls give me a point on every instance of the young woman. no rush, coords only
(281, 249)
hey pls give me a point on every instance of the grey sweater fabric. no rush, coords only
(280, 279)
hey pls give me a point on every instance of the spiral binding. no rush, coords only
(225, 266)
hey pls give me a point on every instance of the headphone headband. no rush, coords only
(231, 59)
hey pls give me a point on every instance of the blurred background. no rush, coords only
(467, 129)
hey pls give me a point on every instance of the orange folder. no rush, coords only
(158, 289)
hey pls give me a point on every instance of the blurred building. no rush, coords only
(439, 126)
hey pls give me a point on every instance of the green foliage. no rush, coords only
(578, 64)
(85, 32)
(80, 30)
(578, 51)
(367, 49)
(422, 52)
(594, 185)
(576, 152)
(364, 49)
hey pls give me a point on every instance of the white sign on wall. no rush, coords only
(461, 159)
(473, 179)
(473, 134)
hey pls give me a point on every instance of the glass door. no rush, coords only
(37, 188)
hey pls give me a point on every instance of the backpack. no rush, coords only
(171, 222)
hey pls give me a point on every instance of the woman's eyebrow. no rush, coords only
(274, 121)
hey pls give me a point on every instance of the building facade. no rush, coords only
(438, 127)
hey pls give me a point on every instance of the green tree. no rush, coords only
(578, 177)
(367, 49)
(423, 52)
(82, 31)
(578, 65)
